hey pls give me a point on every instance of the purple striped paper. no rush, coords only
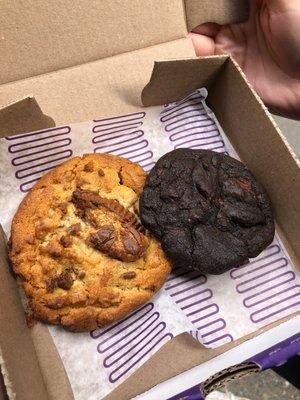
(123, 136)
(268, 286)
(188, 124)
(129, 341)
(190, 292)
(33, 154)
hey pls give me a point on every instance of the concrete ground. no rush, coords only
(268, 385)
(265, 385)
(291, 130)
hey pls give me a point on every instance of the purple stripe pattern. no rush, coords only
(268, 286)
(190, 292)
(35, 153)
(124, 137)
(130, 341)
(188, 125)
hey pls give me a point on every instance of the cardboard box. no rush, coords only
(64, 62)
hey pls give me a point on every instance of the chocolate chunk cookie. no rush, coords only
(207, 209)
(78, 246)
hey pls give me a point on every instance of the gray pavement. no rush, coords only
(265, 385)
(291, 130)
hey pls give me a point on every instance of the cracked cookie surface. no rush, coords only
(78, 246)
(208, 210)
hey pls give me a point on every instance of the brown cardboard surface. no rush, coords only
(39, 36)
(219, 11)
(54, 374)
(101, 88)
(23, 116)
(20, 364)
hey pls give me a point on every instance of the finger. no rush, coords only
(203, 45)
(209, 29)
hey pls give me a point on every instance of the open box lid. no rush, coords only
(89, 58)
(62, 55)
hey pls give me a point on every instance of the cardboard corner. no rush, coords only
(175, 79)
(23, 116)
(262, 147)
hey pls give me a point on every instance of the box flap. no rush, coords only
(23, 116)
(52, 368)
(219, 11)
(18, 359)
(271, 160)
(101, 88)
(40, 36)
(174, 79)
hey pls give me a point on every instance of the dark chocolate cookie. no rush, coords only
(207, 209)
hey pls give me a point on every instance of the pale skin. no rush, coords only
(267, 47)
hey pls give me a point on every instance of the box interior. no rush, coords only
(59, 58)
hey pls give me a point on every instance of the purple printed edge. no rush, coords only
(193, 393)
(278, 354)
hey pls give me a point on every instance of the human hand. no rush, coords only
(267, 47)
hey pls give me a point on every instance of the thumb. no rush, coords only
(203, 45)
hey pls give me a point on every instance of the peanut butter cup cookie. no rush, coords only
(77, 244)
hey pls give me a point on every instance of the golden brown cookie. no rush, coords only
(78, 246)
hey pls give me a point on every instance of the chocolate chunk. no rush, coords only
(101, 172)
(65, 241)
(63, 207)
(54, 250)
(129, 275)
(81, 274)
(132, 241)
(51, 284)
(208, 210)
(104, 238)
(87, 200)
(152, 288)
(65, 280)
(88, 167)
(74, 229)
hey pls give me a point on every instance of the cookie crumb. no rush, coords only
(65, 241)
(129, 275)
(63, 207)
(74, 229)
(88, 167)
(30, 239)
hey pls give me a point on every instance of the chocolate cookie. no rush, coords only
(207, 209)
(78, 247)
